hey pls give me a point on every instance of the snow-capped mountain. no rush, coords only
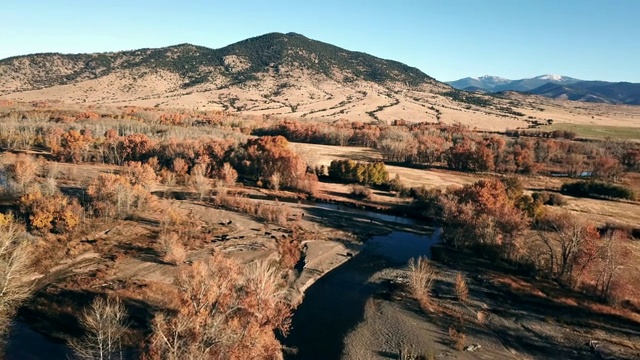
(556, 86)
(496, 84)
(486, 82)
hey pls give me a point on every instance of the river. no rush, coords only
(335, 304)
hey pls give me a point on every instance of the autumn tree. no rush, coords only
(74, 146)
(22, 171)
(227, 174)
(55, 212)
(260, 158)
(482, 213)
(199, 182)
(140, 174)
(135, 147)
(606, 167)
(113, 195)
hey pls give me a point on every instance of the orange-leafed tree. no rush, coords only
(54, 212)
(261, 158)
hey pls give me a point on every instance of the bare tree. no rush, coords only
(104, 322)
(15, 271)
(613, 254)
(569, 241)
(223, 312)
(199, 181)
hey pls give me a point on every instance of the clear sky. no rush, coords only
(447, 39)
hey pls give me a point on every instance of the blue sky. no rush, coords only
(447, 39)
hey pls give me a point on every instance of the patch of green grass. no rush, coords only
(597, 131)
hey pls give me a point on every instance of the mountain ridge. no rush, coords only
(489, 83)
(557, 87)
(198, 64)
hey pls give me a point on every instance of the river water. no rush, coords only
(335, 304)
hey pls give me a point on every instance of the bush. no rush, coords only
(462, 291)
(349, 171)
(427, 202)
(172, 249)
(597, 189)
(547, 198)
(361, 192)
(421, 277)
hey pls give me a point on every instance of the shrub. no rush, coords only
(227, 174)
(457, 338)
(172, 249)
(597, 189)
(421, 277)
(222, 310)
(396, 185)
(290, 251)
(427, 202)
(361, 192)
(549, 198)
(462, 291)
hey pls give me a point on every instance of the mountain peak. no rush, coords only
(550, 77)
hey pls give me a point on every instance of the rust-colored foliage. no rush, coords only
(140, 174)
(570, 245)
(263, 157)
(71, 146)
(483, 213)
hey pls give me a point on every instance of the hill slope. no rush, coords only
(238, 62)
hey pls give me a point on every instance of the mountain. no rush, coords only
(236, 63)
(486, 83)
(497, 84)
(593, 91)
